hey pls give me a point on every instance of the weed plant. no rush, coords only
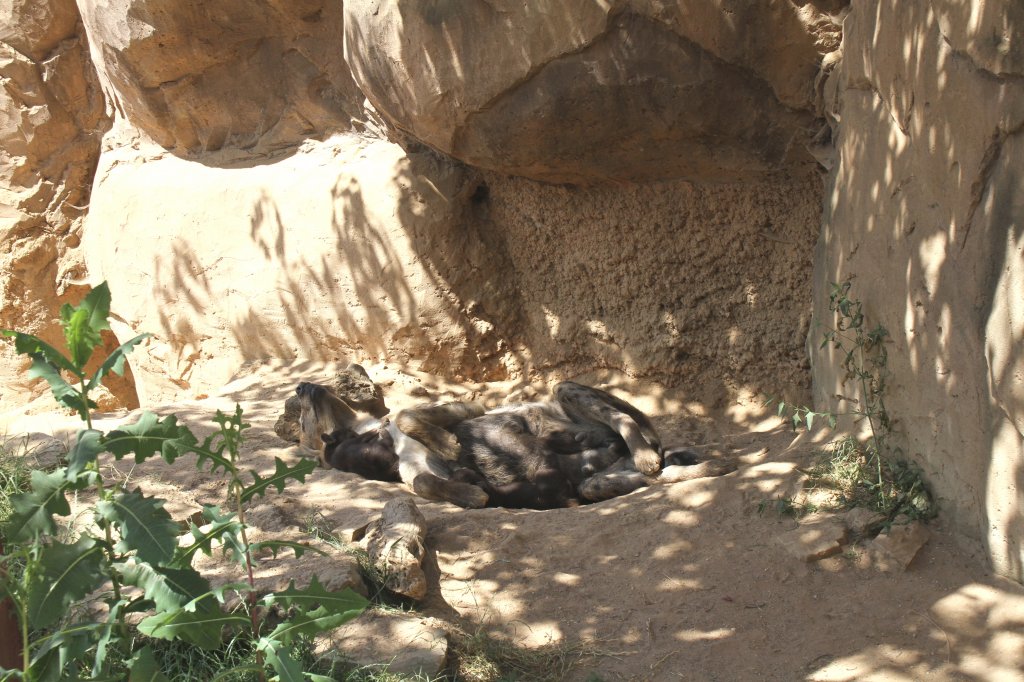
(134, 554)
(871, 473)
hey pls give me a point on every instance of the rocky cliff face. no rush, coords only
(495, 190)
(925, 209)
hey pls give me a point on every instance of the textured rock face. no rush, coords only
(51, 120)
(202, 76)
(582, 91)
(926, 211)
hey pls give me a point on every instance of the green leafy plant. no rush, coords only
(869, 474)
(132, 552)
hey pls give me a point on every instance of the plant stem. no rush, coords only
(251, 597)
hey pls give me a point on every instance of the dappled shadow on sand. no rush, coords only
(684, 581)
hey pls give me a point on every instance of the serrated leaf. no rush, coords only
(84, 452)
(144, 667)
(276, 546)
(312, 623)
(316, 595)
(150, 436)
(282, 659)
(63, 575)
(782, 408)
(282, 473)
(201, 627)
(53, 653)
(224, 528)
(810, 419)
(144, 524)
(63, 392)
(167, 588)
(107, 635)
(33, 346)
(80, 337)
(34, 510)
(115, 361)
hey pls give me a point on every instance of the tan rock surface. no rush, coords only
(924, 209)
(695, 89)
(203, 76)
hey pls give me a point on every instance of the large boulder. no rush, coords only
(51, 120)
(202, 76)
(580, 91)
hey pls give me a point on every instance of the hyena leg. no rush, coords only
(606, 485)
(675, 473)
(431, 487)
(584, 403)
(429, 425)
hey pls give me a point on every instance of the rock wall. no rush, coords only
(925, 210)
(51, 121)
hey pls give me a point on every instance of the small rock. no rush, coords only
(861, 521)
(405, 644)
(287, 425)
(895, 549)
(817, 537)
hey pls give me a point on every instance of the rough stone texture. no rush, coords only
(818, 536)
(693, 89)
(354, 248)
(309, 255)
(202, 76)
(396, 546)
(896, 548)
(400, 643)
(51, 121)
(925, 208)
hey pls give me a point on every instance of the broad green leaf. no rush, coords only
(810, 419)
(282, 659)
(312, 623)
(782, 408)
(53, 653)
(30, 345)
(84, 452)
(34, 510)
(63, 392)
(107, 635)
(144, 524)
(313, 677)
(115, 361)
(63, 575)
(168, 588)
(224, 528)
(201, 627)
(316, 595)
(144, 667)
(282, 472)
(81, 339)
(150, 436)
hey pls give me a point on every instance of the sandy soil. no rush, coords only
(685, 581)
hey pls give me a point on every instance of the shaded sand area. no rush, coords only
(685, 581)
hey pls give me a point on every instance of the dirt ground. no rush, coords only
(685, 581)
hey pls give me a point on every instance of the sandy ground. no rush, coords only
(685, 581)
